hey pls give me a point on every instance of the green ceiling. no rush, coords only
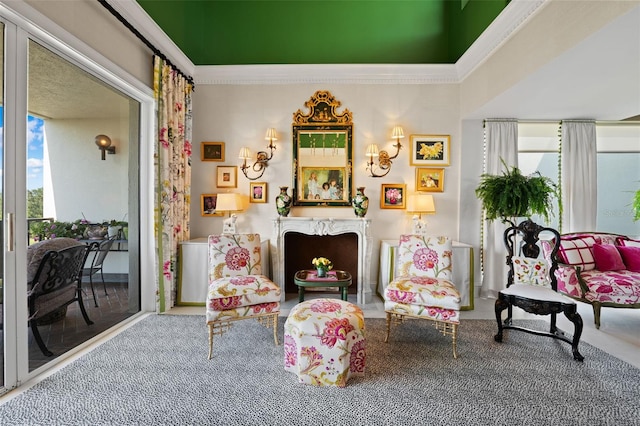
(242, 32)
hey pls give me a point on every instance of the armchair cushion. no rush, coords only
(423, 291)
(607, 257)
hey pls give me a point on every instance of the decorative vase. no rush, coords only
(321, 272)
(283, 202)
(96, 232)
(360, 202)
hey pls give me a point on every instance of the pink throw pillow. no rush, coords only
(607, 257)
(631, 257)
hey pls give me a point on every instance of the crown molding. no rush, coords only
(506, 24)
(327, 73)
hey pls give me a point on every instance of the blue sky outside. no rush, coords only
(35, 138)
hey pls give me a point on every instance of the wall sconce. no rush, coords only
(384, 159)
(229, 202)
(420, 204)
(262, 159)
(104, 145)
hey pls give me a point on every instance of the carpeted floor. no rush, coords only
(157, 373)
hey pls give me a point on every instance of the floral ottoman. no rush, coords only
(324, 342)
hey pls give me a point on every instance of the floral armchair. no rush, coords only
(423, 287)
(237, 288)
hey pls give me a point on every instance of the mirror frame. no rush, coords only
(323, 120)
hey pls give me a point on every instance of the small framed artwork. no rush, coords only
(227, 176)
(393, 196)
(258, 192)
(429, 179)
(212, 151)
(430, 150)
(208, 205)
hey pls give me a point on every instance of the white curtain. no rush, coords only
(579, 176)
(501, 143)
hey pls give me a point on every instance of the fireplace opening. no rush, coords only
(300, 249)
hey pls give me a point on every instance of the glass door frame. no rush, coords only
(18, 31)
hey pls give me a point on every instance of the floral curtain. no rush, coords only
(172, 177)
(501, 144)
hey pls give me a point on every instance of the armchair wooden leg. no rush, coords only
(454, 340)
(596, 314)
(500, 306)
(274, 318)
(576, 319)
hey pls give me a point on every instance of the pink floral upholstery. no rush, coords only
(611, 288)
(324, 342)
(423, 287)
(237, 289)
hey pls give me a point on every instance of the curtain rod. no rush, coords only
(145, 41)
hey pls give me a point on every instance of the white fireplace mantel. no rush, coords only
(325, 226)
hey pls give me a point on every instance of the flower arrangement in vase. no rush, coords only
(323, 265)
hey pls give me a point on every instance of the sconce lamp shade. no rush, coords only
(229, 202)
(271, 134)
(103, 141)
(104, 144)
(421, 204)
(245, 153)
(397, 132)
(372, 150)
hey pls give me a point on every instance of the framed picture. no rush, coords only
(227, 176)
(393, 196)
(208, 205)
(430, 150)
(324, 186)
(258, 192)
(429, 179)
(212, 151)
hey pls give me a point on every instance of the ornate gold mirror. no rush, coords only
(322, 153)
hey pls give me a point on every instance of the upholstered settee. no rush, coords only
(601, 269)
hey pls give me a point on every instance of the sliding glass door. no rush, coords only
(61, 180)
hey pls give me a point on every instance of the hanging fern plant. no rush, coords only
(512, 195)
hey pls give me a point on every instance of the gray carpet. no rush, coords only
(157, 373)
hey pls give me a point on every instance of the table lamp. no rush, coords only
(420, 204)
(229, 202)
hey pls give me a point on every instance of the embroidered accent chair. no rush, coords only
(423, 287)
(237, 288)
(532, 284)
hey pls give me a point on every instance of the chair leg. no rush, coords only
(38, 337)
(596, 314)
(104, 285)
(576, 319)
(454, 340)
(500, 306)
(274, 318)
(210, 340)
(386, 337)
(95, 299)
(82, 309)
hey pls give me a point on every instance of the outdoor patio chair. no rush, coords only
(100, 251)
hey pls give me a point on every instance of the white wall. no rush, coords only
(239, 115)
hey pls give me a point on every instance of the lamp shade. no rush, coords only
(397, 133)
(372, 150)
(271, 134)
(245, 153)
(103, 141)
(229, 202)
(421, 204)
